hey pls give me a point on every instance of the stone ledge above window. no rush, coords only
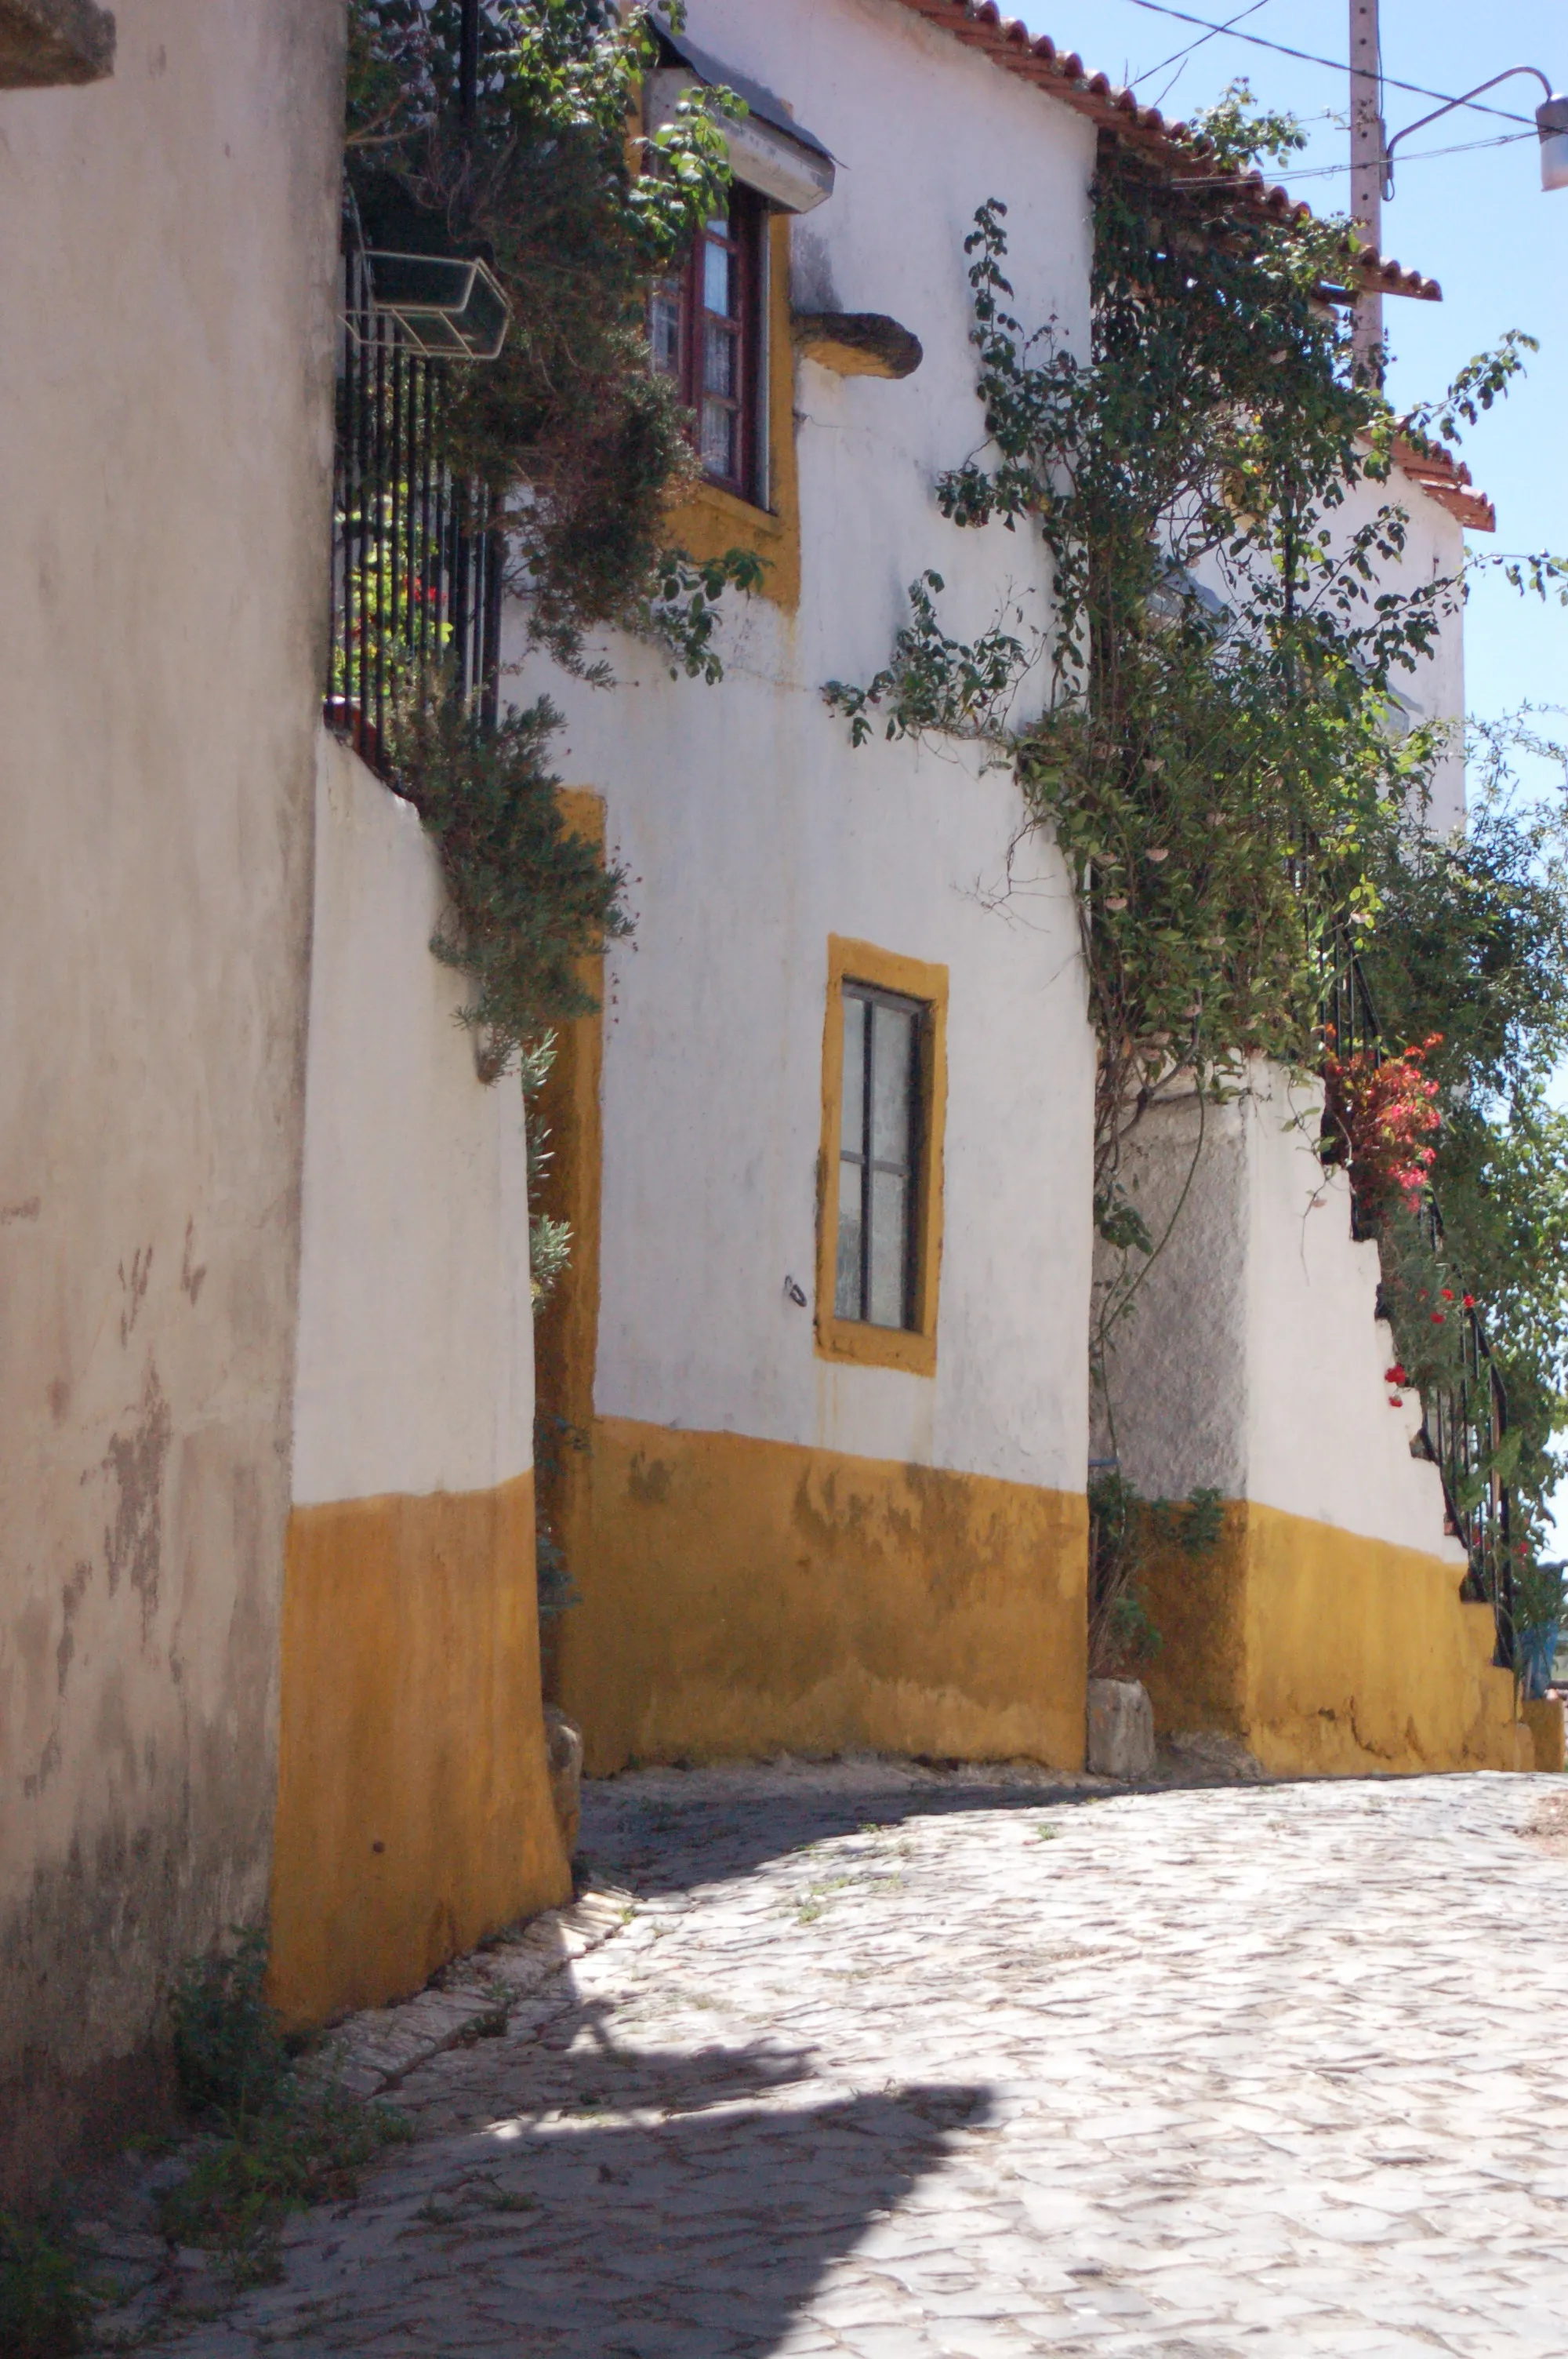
(46, 42)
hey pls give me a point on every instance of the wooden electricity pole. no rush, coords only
(1367, 162)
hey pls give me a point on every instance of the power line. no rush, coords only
(1176, 56)
(1334, 65)
(1329, 171)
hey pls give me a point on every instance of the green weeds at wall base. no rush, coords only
(275, 2141)
(44, 2307)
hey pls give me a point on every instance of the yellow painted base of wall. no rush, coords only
(1327, 1653)
(1543, 1718)
(741, 1598)
(413, 1810)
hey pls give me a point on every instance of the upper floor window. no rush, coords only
(707, 330)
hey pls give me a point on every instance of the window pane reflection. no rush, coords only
(847, 1282)
(718, 453)
(889, 1256)
(716, 276)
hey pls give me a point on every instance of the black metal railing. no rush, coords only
(1465, 1419)
(417, 554)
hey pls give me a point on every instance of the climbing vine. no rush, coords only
(1209, 730)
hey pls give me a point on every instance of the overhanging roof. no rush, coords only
(980, 25)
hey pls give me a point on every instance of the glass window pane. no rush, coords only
(664, 328)
(852, 1124)
(718, 280)
(890, 1248)
(719, 440)
(719, 354)
(847, 1281)
(893, 1047)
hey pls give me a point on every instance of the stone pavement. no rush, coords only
(898, 2065)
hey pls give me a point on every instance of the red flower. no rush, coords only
(1469, 1302)
(1396, 1400)
(1396, 1374)
(1438, 1317)
(1448, 1294)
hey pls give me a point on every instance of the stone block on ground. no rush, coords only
(563, 1748)
(1121, 1729)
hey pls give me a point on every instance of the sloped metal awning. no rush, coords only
(769, 150)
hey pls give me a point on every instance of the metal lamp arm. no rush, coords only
(1507, 75)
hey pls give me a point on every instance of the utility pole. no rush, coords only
(1367, 162)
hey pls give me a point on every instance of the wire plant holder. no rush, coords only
(418, 552)
(1466, 1420)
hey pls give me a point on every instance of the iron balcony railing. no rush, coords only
(417, 551)
(1464, 1421)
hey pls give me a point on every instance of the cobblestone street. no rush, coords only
(897, 2064)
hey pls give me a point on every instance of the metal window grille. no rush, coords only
(1463, 1424)
(880, 1152)
(417, 551)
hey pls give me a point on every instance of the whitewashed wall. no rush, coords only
(415, 1352)
(753, 830)
(166, 269)
(1434, 550)
(1254, 1361)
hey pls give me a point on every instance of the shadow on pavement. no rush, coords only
(699, 2231)
(653, 1844)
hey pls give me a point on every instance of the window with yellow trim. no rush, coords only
(883, 1093)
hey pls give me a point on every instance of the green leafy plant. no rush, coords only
(241, 2191)
(277, 2142)
(1216, 753)
(44, 2306)
(581, 441)
(228, 2049)
(527, 898)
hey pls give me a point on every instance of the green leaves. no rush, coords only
(579, 216)
(528, 900)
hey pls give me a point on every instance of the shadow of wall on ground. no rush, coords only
(653, 1844)
(700, 2228)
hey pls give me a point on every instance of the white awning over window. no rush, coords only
(769, 151)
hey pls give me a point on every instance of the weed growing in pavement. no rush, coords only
(1044, 1833)
(43, 2303)
(228, 2047)
(278, 2144)
(242, 2192)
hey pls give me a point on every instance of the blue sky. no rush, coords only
(1476, 221)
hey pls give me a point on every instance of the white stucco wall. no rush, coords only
(753, 830)
(1435, 552)
(167, 272)
(415, 1352)
(1254, 1360)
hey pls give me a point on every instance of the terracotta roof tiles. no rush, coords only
(980, 25)
(1446, 479)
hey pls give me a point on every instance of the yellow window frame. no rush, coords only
(912, 1349)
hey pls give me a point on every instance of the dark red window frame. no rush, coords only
(716, 355)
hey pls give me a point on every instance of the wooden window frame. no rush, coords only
(747, 238)
(912, 1348)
